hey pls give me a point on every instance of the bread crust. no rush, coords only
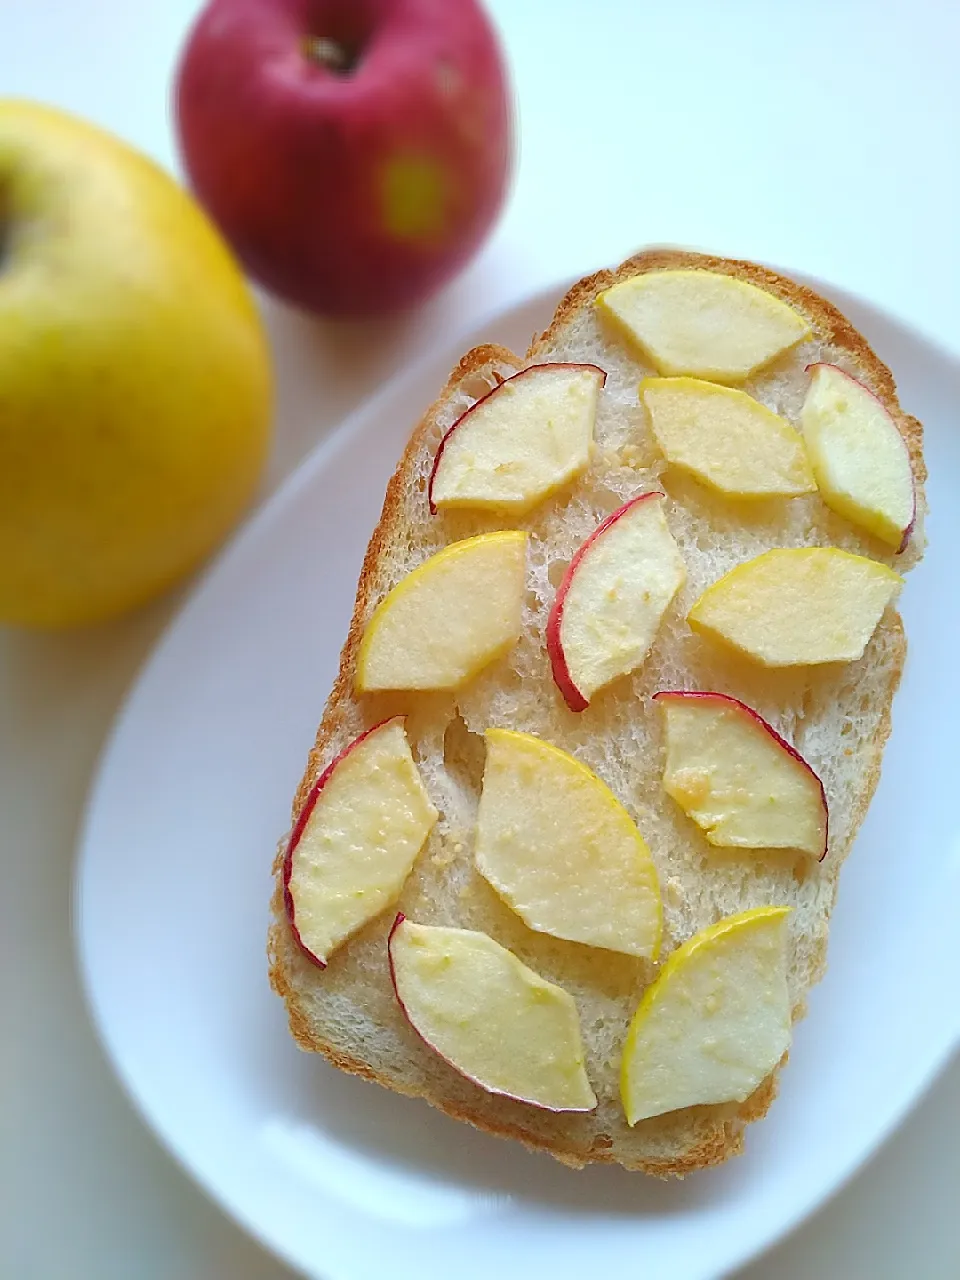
(714, 1133)
(823, 315)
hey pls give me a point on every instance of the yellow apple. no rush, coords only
(726, 439)
(134, 375)
(702, 323)
(716, 1021)
(798, 606)
(448, 618)
(562, 851)
(492, 1018)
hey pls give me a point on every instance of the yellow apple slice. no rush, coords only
(859, 457)
(798, 606)
(612, 599)
(490, 1017)
(562, 851)
(716, 1021)
(739, 781)
(703, 323)
(355, 840)
(726, 439)
(523, 441)
(446, 620)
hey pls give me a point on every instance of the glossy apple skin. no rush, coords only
(303, 817)
(291, 158)
(558, 663)
(811, 368)
(663, 694)
(533, 368)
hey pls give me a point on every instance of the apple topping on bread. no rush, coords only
(356, 838)
(525, 440)
(859, 457)
(726, 439)
(489, 1016)
(449, 618)
(739, 781)
(612, 599)
(703, 323)
(715, 1022)
(562, 851)
(798, 606)
(540, 848)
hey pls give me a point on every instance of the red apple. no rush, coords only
(354, 152)
(612, 598)
(355, 839)
(558, 427)
(495, 1021)
(860, 459)
(729, 765)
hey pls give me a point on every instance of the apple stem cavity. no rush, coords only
(332, 54)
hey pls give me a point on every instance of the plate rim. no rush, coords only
(301, 477)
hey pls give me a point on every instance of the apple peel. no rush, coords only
(797, 606)
(859, 456)
(378, 805)
(513, 465)
(612, 599)
(706, 324)
(562, 850)
(447, 619)
(489, 1016)
(692, 805)
(716, 1021)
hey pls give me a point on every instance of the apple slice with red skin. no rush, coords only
(488, 1015)
(521, 442)
(355, 839)
(859, 456)
(612, 598)
(742, 783)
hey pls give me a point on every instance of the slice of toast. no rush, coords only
(837, 716)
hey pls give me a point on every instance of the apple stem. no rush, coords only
(329, 53)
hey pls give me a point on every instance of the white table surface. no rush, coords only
(823, 136)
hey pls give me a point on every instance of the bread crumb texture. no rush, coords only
(838, 718)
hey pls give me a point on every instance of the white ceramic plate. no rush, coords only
(343, 1179)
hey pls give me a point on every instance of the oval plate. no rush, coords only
(343, 1179)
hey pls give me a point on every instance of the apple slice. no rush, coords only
(716, 1021)
(446, 620)
(355, 840)
(798, 606)
(562, 851)
(612, 598)
(739, 781)
(726, 439)
(703, 323)
(490, 1017)
(523, 441)
(859, 457)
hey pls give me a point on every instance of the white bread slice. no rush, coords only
(838, 717)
